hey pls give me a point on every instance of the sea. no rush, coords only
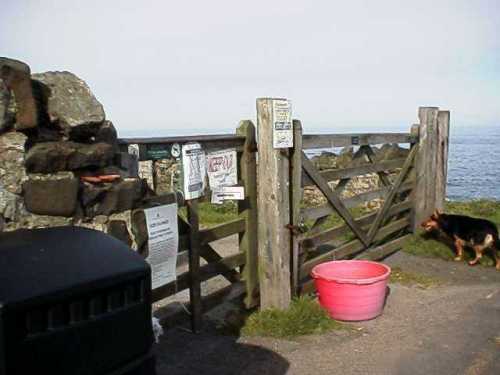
(473, 163)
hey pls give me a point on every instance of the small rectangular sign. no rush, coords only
(221, 168)
(193, 170)
(157, 152)
(282, 123)
(228, 193)
(163, 241)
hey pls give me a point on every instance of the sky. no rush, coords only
(167, 67)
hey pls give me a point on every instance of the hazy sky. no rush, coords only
(201, 64)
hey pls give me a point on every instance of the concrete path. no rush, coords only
(452, 328)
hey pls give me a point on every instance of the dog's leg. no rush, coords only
(479, 254)
(459, 247)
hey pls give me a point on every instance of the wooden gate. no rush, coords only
(344, 227)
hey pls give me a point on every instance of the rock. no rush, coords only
(2, 223)
(327, 160)
(11, 205)
(6, 120)
(16, 77)
(107, 134)
(71, 105)
(118, 229)
(111, 198)
(54, 195)
(391, 152)
(30, 221)
(12, 173)
(140, 231)
(51, 157)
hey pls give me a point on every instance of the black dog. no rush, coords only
(479, 234)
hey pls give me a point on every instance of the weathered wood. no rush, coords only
(273, 205)
(247, 210)
(194, 265)
(371, 158)
(337, 174)
(382, 251)
(332, 198)
(425, 194)
(206, 272)
(313, 213)
(392, 194)
(222, 230)
(442, 157)
(333, 233)
(296, 197)
(211, 256)
(352, 247)
(312, 141)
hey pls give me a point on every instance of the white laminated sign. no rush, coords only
(221, 168)
(193, 170)
(282, 123)
(163, 241)
(228, 193)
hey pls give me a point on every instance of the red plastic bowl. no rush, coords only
(351, 290)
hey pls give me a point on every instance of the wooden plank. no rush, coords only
(317, 212)
(333, 233)
(182, 139)
(382, 251)
(337, 174)
(273, 203)
(425, 192)
(222, 230)
(211, 256)
(194, 265)
(247, 210)
(352, 247)
(443, 122)
(392, 194)
(313, 141)
(333, 199)
(371, 158)
(206, 272)
(296, 198)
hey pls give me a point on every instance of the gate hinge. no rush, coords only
(296, 229)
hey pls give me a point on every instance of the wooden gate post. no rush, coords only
(431, 162)
(247, 209)
(442, 157)
(273, 203)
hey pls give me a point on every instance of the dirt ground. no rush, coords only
(450, 328)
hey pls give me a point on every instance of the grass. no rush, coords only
(214, 214)
(304, 317)
(410, 278)
(425, 245)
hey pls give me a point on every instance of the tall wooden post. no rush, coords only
(431, 163)
(296, 197)
(247, 209)
(273, 205)
(194, 265)
(442, 157)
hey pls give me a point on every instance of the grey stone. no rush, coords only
(12, 173)
(107, 134)
(118, 229)
(71, 105)
(6, 121)
(51, 157)
(112, 198)
(52, 196)
(11, 205)
(16, 77)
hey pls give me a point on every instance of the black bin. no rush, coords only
(73, 301)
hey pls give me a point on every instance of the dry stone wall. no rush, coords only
(59, 157)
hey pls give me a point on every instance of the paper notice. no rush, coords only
(193, 169)
(221, 168)
(228, 193)
(282, 124)
(163, 243)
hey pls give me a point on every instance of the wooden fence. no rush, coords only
(195, 241)
(280, 238)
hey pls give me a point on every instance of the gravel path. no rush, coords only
(451, 328)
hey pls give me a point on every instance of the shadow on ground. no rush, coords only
(182, 352)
